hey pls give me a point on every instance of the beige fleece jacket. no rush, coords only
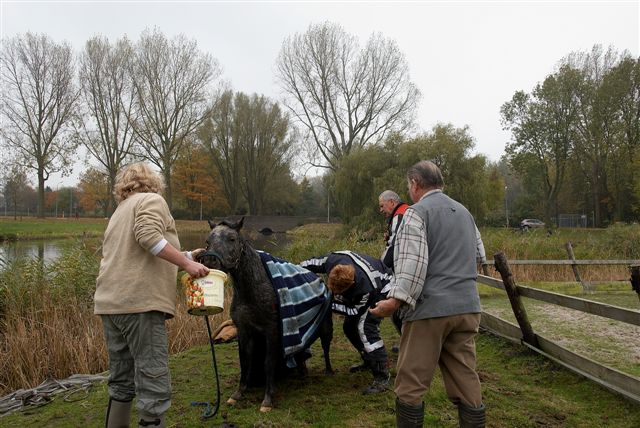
(131, 278)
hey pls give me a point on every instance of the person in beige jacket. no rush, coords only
(136, 293)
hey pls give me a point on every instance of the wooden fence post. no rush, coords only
(585, 286)
(514, 297)
(635, 279)
(485, 269)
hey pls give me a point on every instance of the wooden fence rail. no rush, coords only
(608, 311)
(614, 380)
(588, 287)
(570, 262)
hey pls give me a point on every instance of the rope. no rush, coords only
(45, 393)
(211, 409)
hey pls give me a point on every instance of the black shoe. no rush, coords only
(376, 387)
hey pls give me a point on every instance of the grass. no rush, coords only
(51, 228)
(520, 390)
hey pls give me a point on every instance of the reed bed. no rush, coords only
(620, 242)
(47, 325)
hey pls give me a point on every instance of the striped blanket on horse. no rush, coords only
(304, 300)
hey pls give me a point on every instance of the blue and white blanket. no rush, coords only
(303, 302)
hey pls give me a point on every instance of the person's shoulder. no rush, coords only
(402, 208)
(150, 200)
(149, 197)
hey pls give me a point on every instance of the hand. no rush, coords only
(385, 308)
(196, 270)
(195, 253)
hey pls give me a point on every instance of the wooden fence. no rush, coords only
(587, 286)
(612, 379)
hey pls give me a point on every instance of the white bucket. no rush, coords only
(205, 296)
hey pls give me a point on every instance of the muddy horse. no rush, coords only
(257, 313)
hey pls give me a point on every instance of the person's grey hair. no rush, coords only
(389, 195)
(137, 178)
(426, 174)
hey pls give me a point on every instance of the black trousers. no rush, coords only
(363, 331)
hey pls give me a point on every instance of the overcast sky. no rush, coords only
(467, 58)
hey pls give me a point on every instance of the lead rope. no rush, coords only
(208, 412)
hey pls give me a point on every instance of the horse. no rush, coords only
(255, 312)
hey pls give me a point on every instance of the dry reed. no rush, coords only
(49, 332)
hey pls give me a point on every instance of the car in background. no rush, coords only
(531, 223)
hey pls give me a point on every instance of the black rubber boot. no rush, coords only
(153, 421)
(408, 415)
(118, 414)
(471, 417)
(380, 378)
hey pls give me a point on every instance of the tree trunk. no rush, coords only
(167, 180)
(40, 194)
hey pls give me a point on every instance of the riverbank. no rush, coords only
(49, 228)
(28, 228)
(56, 228)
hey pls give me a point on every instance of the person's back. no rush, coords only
(451, 272)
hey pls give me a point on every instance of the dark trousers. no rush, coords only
(363, 331)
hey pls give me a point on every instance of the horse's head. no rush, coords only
(224, 246)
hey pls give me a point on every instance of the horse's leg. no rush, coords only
(245, 350)
(326, 336)
(271, 353)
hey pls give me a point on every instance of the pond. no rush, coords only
(50, 249)
(43, 249)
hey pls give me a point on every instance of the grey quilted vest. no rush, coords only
(450, 286)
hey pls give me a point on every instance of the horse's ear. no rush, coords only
(211, 224)
(237, 226)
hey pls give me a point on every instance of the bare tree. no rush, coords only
(595, 142)
(265, 147)
(39, 98)
(249, 140)
(345, 97)
(220, 135)
(173, 80)
(107, 92)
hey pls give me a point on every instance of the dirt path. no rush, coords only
(613, 343)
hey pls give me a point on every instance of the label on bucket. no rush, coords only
(205, 296)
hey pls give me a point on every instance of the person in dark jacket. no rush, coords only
(393, 208)
(358, 282)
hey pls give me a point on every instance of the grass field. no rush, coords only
(520, 389)
(49, 228)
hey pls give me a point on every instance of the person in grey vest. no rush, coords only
(435, 289)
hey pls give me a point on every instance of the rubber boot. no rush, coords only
(118, 414)
(380, 378)
(149, 420)
(408, 415)
(471, 417)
